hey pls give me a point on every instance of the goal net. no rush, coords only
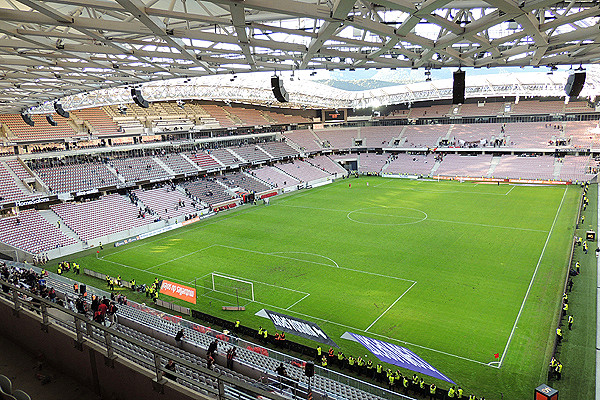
(232, 286)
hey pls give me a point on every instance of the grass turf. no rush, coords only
(442, 268)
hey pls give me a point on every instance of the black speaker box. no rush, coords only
(138, 99)
(27, 119)
(278, 90)
(309, 369)
(60, 111)
(51, 120)
(575, 83)
(458, 88)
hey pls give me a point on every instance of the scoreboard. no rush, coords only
(334, 115)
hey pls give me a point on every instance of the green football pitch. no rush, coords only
(456, 272)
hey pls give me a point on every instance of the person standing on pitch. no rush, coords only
(570, 322)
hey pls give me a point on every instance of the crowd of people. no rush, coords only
(395, 380)
(555, 367)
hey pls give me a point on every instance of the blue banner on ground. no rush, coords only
(397, 355)
(299, 327)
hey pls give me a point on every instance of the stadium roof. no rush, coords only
(304, 93)
(49, 49)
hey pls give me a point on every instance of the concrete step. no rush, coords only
(55, 220)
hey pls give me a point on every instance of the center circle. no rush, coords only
(387, 216)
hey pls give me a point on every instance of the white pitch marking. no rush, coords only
(304, 252)
(298, 301)
(262, 283)
(376, 334)
(180, 231)
(177, 258)
(359, 211)
(488, 226)
(428, 219)
(511, 189)
(142, 270)
(318, 263)
(323, 320)
(532, 280)
(388, 309)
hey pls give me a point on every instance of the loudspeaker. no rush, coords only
(51, 120)
(278, 90)
(27, 119)
(60, 111)
(82, 289)
(136, 94)
(458, 88)
(309, 369)
(575, 83)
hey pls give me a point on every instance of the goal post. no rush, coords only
(232, 286)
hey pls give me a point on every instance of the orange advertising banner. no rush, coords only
(178, 291)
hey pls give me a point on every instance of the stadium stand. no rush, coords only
(473, 135)
(371, 163)
(434, 111)
(97, 121)
(465, 165)
(17, 231)
(9, 188)
(42, 130)
(525, 135)
(337, 139)
(77, 177)
(576, 168)
(518, 167)
(139, 333)
(243, 180)
(19, 170)
(207, 190)
(578, 107)
(274, 177)
(225, 157)
(224, 118)
(538, 107)
(480, 109)
(139, 169)
(303, 171)
(110, 214)
(582, 134)
(165, 202)
(178, 164)
(281, 118)
(305, 139)
(248, 116)
(278, 150)
(171, 124)
(424, 135)
(328, 165)
(411, 164)
(379, 136)
(250, 153)
(205, 161)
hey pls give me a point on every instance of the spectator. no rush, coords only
(230, 357)
(171, 367)
(179, 338)
(212, 348)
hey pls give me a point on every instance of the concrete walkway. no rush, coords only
(25, 370)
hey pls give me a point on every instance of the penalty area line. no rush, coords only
(376, 334)
(298, 301)
(388, 309)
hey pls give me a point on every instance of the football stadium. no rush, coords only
(298, 199)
